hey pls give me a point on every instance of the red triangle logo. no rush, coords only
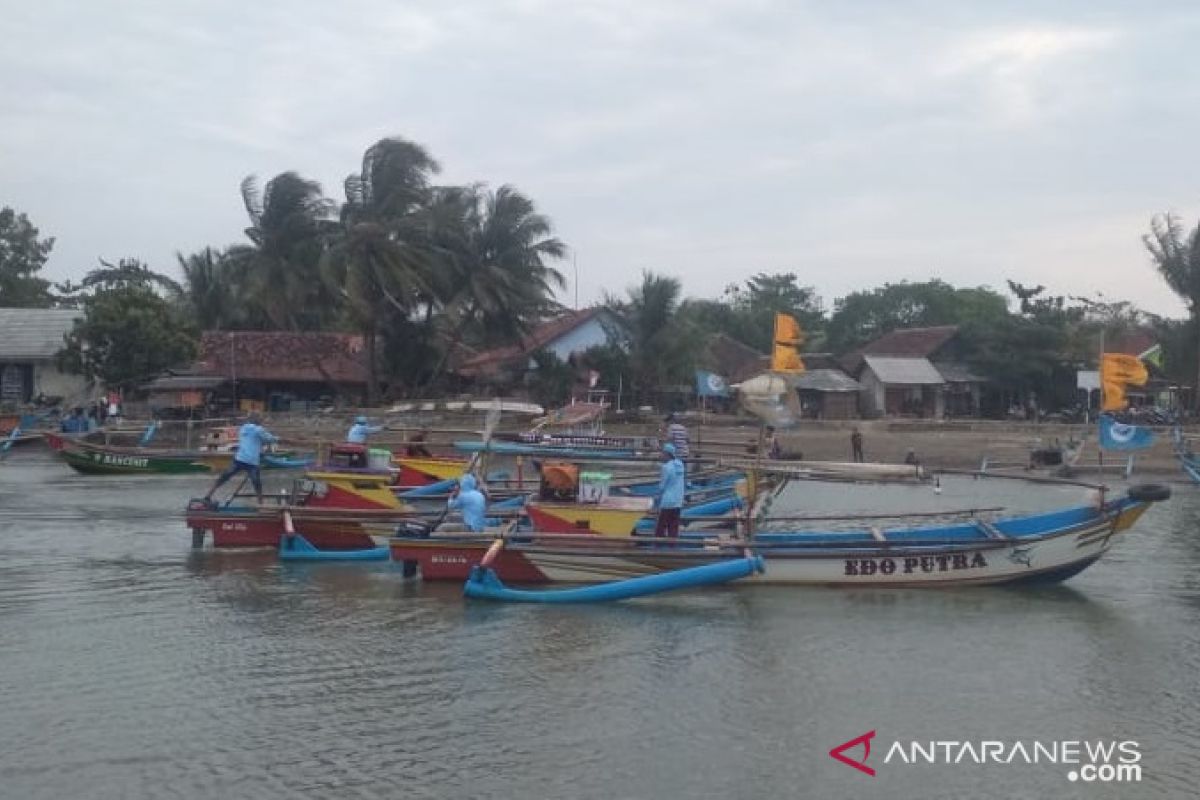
(839, 752)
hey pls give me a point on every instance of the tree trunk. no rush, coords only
(369, 343)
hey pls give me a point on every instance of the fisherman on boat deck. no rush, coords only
(251, 438)
(669, 500)
(677, 435)
(471, 502)
(360, 430)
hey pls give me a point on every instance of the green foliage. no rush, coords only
(378, 257)
(129, 334)
(863, 316)
(278, 272)
(1176, 255)
(551, 379)
(22, 256)
(662, 343)
(746, 312)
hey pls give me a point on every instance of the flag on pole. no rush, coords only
(1153, 355)
(785, 352)
(1119, 371)
(1119, 436)
(710, 384)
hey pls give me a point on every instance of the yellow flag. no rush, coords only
(1118, 371)
(785, 354)
(787, 331)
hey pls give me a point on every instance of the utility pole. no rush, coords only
(575, 264)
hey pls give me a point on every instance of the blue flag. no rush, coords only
(710, 384)
(1119, 436)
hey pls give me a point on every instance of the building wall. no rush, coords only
(871, 399)
(50, 381)
(44, 377)
(588, 335)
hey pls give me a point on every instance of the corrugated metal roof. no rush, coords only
(34, 334)
(957, 372)
(905, 371)
(826, 380)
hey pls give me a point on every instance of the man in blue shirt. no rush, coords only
(471, 502)
(251, 438)
(360, 430)
(672, 479)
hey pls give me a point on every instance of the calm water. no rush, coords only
(131, 667)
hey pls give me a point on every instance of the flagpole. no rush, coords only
(1100, 367)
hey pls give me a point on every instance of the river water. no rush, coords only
(132, 667)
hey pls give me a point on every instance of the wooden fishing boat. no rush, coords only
(427, 470)
(340, 510)
(100, 459)
(93, 458)
(1051, 546)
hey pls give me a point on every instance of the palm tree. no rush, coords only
(379, 258)
(1176, 254)
(660, 346)
(128, 272)
(502, 282)
(211, 291)
(494, 247)
(289, 221)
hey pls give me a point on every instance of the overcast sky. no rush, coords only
(851, 142)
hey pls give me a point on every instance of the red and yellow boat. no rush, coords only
(337, 510)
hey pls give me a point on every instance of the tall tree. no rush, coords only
(862, 316)
(211, 291)
(1176, 254)
(496, 282)
(279, 270)
(22, 255)
(130, 330)
(503, 284)
(659, 340)
(379, 258)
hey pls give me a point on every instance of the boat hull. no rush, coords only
(1053, 555)
(91, 460)
(247, 528)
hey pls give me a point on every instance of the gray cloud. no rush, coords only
(853, 143)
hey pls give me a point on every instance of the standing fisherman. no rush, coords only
(360, 430)
(673, 477)
(251, 438)
(677, 435)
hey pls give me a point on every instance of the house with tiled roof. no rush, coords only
(565, 335)
(272, 370)
(915, 372)
(30, 339)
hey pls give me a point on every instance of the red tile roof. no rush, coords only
(283, 356)
(538, 338)
(913, 342)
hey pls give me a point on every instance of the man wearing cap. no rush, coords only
(672, 478)
(360, 430)
(251, 438)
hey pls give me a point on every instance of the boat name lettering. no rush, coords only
(122, 461)
(448, 560)
(913, 564)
